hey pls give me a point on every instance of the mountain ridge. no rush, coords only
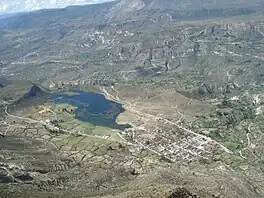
(114, 11)
(7, 6)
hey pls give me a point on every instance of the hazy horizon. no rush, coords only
(15, 6)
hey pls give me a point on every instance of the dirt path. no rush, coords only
(19, 117)
(41, 122)
(124, 141)
(248, 144)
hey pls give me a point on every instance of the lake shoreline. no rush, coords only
(92, 107)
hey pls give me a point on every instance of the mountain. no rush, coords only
(91, 13)
(203, 4)
(124, 8)
(180, 9)
(7, 15)
(138, 9)
(7, 6)
(188, 73)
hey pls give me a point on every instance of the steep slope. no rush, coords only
(203, 4)
(180, 9)
(125, 7)
(89, 14)
(134, 9)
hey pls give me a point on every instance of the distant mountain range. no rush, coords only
(13, 6)
(157, 10)
(184, 8)
(3, 16)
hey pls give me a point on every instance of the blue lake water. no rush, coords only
(92, 107)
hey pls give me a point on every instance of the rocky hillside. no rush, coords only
(122, 9)
(212, 57)
(190, 74)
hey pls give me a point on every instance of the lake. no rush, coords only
(92, 107)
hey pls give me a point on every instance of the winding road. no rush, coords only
(248, 144)
(124, 141)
